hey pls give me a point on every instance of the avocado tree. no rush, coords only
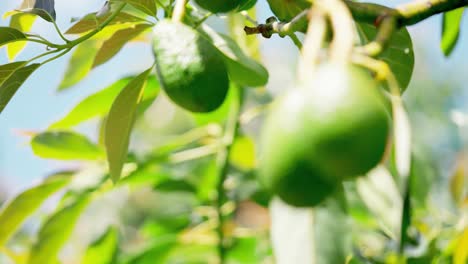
(329, 161)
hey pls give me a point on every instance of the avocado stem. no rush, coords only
(312, 43)
(341, 20)
(179, 10)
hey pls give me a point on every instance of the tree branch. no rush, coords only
(385, 18)
(406, 14)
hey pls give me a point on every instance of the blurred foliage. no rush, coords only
(167, 199)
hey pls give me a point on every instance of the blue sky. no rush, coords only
(37, 103)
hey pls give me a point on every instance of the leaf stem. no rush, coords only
(60, 32)
(81, 39)
(43, 55)
(57, 56)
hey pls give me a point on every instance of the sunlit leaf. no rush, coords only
(458, 180)
(64, 145)
(243, 153)
(451, 30)
(113, 45)
(12, 76)
(398, 55)
(22, 22)
(14, 212)
(147, 6)
(90, 22)
(244, 250)
(48, 6)
(120, 122)
(102, 251)
(99, 104)
(460, 256)
(80, 63)
(95, 105)
(55, 232)
(241, 68)
(8, 35)
(192, 253)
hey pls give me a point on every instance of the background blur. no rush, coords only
(436, 99)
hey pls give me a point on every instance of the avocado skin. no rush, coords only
(190, 69)
(331, 128)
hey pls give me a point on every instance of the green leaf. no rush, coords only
(63, 145)
(120, 122)
(102, 251)
(99, 104)
(8, 35)
(398, 55)
(113, 45)
(12, 76)
(95, 105)
(381, 195)
(7, 70)
(451, 30)
(22, 22)
(244, 250)
(15, 212)
(80, 63)
(332, 232)
(156, 252)
(91, 21)
(55, 232)
(311, 235)
(241, 68)
(147, 6)
(406, 216)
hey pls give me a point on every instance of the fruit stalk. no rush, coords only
(312, 43)
(179, 10)
(343, 31)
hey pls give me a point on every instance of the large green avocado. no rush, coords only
(331, 128)
(191, 71)
(224, 6)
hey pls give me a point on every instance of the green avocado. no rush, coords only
(224, 6)
(190, 69)
(331, 128)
